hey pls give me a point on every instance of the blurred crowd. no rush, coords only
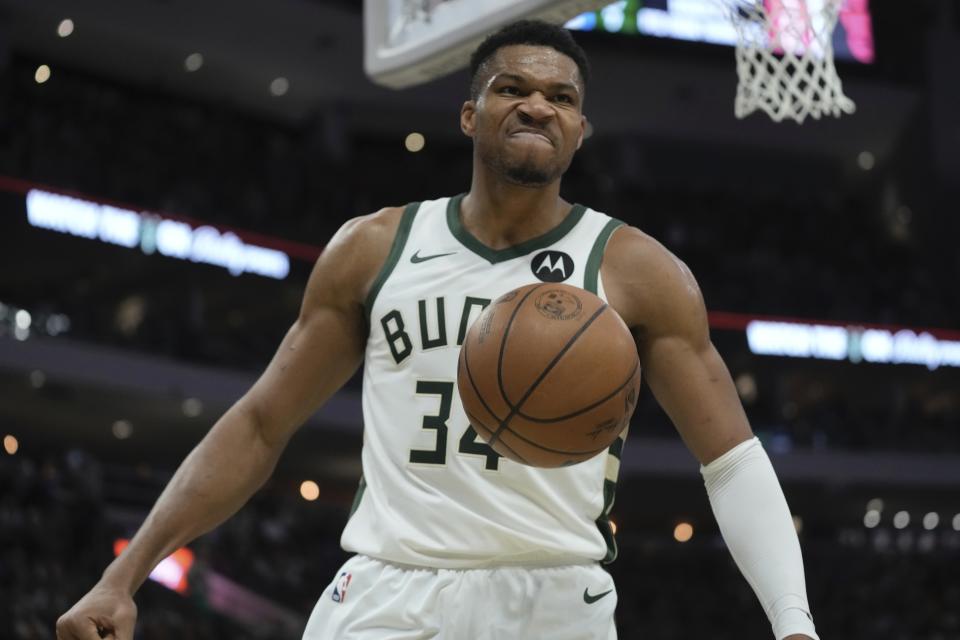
(57, 526)
(801, 253)
(866, 420)
(854, 592)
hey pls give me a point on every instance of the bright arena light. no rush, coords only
(931, 520)
(683, 532)
(797, 340)
(876, 504)
(309, 490)
(192, 407)
(901, 519)
(57, 323)
(22, 319)
(173, 571)
(193, 62)
(42, 74)
(866, 160)
(10, 444)
(747, 387)
(827, 342)
(37, 379)
(871, 519)
(122, 429)
(415, 142)
(956, 522)
(613, 16)
(279, 86)
(170, 238)
(65, 28)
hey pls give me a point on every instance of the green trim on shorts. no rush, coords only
(592, 272)
(399, 242)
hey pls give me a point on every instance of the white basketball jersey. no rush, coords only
(432, 493)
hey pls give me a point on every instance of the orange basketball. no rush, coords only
(549, 375)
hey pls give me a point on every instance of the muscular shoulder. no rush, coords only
(352, 258)
(372, 231)
(652, 289)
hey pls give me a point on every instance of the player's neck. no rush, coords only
(501, 215)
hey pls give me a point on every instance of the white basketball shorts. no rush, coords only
(373, 600)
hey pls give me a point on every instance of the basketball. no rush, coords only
(549, 375)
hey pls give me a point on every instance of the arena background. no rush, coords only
(159, 213)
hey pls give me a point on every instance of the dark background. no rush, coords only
(775, 220)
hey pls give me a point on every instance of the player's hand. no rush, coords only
(105, 612)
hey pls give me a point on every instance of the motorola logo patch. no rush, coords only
(552, 266)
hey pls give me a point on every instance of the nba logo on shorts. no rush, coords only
(340, 589)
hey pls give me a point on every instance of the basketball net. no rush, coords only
(785, 58)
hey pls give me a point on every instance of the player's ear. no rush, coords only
(583, 130)
(468, 113)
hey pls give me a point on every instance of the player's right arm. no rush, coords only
(319, 353)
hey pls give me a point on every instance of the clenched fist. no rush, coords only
(105, 612)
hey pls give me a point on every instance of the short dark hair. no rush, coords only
(532, 32)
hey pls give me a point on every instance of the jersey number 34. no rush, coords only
(469, 444)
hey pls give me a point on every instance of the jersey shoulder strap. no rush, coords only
(591, 273)
(396, 250)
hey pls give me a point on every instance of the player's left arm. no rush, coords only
(660, 301)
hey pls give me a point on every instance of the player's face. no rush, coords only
(527, 121)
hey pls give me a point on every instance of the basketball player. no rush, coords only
(451, 540)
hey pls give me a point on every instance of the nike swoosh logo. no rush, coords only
(589, 599)
(416, 258)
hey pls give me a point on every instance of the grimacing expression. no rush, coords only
(527, 121)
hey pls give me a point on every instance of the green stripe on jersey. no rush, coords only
(358, 495)
(609, 493)
(493, 256)
(591, 278)
(603, 522)
(399, 242)
(616, 449)
(592, 272)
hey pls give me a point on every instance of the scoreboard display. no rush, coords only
(706, 21)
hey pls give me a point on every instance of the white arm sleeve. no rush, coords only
(756, 525)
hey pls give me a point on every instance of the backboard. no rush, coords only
(409, 42)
